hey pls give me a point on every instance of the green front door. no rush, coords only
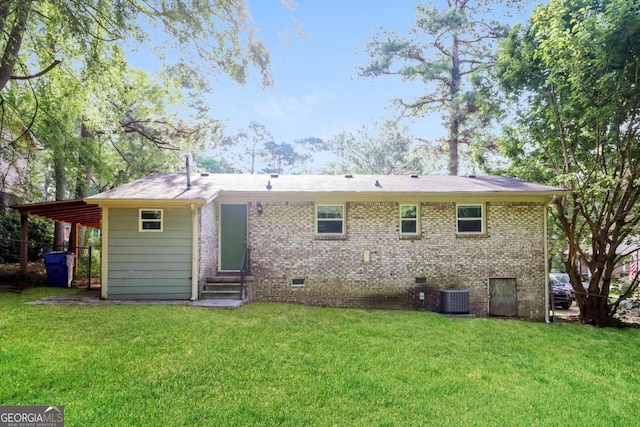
(233, 236)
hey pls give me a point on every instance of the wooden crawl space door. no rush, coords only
(502, 297)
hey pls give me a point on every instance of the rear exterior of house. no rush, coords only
(371, 242)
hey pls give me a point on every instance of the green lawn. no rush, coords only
(279, 364)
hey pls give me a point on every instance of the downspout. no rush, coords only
(195, 253)
(546, 259)
(104, 254)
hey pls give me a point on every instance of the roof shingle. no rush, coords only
(160, 186)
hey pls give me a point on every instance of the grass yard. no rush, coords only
(278, 364)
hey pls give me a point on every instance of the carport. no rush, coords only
(76, 212)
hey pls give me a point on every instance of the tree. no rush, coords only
(213, 165)
(219, 31)
(391, 151)
(253, 150)
(446, 50)
(246, 147)
(574, 70)
(144, 133)
(282, 157)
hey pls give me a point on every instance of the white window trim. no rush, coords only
(344, 224)
(482, 219)
(416, 219)
(142, 221)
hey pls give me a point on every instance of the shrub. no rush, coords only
(83, 264)
(40, 236)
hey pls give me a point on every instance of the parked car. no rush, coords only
(562, 295)
(565, 281)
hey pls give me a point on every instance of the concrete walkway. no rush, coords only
(84, 297)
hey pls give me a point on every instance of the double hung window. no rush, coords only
(470, 219)
(409, 220)
(330, 219)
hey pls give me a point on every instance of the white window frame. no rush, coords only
(482, 218)
(416, 219)
(142, 221)
(317, 220)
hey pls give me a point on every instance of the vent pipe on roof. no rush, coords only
(188, 173)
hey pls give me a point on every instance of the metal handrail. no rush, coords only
(244, 270)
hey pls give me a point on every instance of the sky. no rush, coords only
(317, 91)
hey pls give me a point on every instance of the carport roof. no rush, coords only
(74, 211)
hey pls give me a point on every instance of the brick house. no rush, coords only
(343, 241)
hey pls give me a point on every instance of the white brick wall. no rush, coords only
(208, 242)
(284, 247)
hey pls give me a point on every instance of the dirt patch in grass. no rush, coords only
(12, 281)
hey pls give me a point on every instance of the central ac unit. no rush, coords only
(454, 301)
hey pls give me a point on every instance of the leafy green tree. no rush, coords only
(145, 134)
(282, 157)
(446, 49)
(245, 149)
(40, 237)
(390, 151)
(213, 165)
(220, 32)
(253, 150)
(574, 70)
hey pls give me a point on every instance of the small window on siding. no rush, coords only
(470, 219)
(330, 219)
(150, 220)
(409, 219)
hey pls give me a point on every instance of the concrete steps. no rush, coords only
(223, 287)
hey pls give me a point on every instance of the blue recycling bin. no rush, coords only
(59, 268)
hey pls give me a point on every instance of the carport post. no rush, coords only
(24, 242)
(73, 246)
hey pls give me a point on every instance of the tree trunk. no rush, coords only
(453, 146)
(14, 41)
(83, 181)
(61, 189)
(454, 128)
(593, 310)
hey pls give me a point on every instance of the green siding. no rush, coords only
(154, 265)
(167, 234)
(146, 274)
(151, 258)
(134, 242)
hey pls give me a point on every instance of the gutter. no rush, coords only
(546, 266)
(195, 252)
